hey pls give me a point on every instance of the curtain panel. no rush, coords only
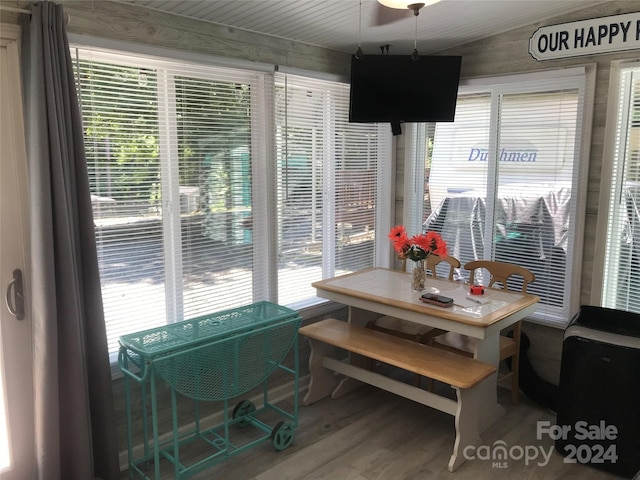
(74, 416)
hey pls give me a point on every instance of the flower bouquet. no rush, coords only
(417, 248)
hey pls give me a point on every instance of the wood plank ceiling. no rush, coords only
(342, 24)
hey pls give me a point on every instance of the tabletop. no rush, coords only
(393, 288)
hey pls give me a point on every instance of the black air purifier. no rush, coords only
(599, 405)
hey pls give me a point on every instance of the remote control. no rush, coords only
(435, 299)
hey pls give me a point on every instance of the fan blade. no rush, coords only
(385, 15)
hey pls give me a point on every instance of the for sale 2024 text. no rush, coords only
(587, 452)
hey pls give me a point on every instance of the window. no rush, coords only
(621, 279)
(328, 176)
(199, 207)
(503, 181)
(169, 153)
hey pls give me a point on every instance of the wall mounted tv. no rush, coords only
(397, 88)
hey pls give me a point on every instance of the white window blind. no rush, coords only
(621, 282)
(503, 179)
(199, 207)
(327, 185)
(170, 147)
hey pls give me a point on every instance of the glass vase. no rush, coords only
(418, 276)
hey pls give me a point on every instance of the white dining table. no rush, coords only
(374, 292)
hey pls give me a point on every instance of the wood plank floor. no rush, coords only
(370, 434)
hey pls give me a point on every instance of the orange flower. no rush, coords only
(423, 241)
(399, 238)
(417, 247)
(436, 244)
(397, 232)
(401, 245)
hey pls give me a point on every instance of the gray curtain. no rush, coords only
(74, 416)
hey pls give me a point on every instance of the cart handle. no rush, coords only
(122, 363)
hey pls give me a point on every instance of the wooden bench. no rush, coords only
(462, 373)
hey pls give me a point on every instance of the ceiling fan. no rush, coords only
(389, 11)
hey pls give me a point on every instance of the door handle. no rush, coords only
(15, 295)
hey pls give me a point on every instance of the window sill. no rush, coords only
(316, 308)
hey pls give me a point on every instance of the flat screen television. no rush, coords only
(397, 88)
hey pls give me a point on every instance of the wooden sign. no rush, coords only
(586, 37)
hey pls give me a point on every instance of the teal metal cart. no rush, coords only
(217, 357)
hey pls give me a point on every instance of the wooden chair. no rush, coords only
(500, 272)
(434, 260)
(409, 330)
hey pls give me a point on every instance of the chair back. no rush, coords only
(500, 272)
(434, 260)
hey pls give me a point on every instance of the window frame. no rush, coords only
(609, 186)
(582, 78)
(168, 69)
(334, 154)
(265, 271)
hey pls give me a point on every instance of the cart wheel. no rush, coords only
(282, 436)
(242, 409)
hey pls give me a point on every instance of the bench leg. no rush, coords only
(322, 381)
(466, 425)
(349, 384)
(360, 317)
